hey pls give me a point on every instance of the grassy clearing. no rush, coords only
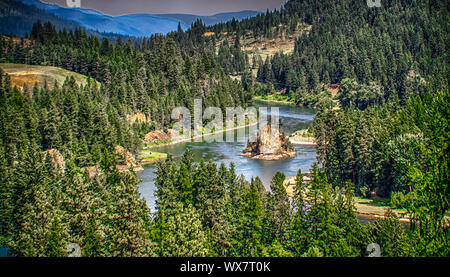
(276, 98)
(148, 156)
(304, 133)
(30, 75)
(378, 207)
(365, 206)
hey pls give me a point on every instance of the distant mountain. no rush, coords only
(18, 19)
(138, 25)
(188, 19)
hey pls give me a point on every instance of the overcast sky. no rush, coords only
(198, 7)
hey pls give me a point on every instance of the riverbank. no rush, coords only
(230, 152)
(148, 147)
(305, 141)
(274, 101)
(302, 137)
(149, 157)
(368, 209)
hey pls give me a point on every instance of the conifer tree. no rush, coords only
(185, 236)
(92, 244)
(278, 211)
(55, 241)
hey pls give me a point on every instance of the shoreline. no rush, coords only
(299, 142)
(373, 216)
(280, 102)
(271, 157)
(145, 162)
(276, 102)
(363, 210)
(198, 136)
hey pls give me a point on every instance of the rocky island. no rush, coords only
(270, 145)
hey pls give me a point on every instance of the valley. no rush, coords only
(92, 156)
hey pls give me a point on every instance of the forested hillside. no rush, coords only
(401, 46)
(385, 134)
(375, 57)
(151, 78)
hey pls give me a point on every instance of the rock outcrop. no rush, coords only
(56, 159)
(127, 160)
(160, 136)
(138, 117)
(270, 145)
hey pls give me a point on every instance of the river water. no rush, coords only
(292, 118)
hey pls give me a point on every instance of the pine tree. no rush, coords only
(185, 186)
(55, 242)
(33, 206)
(5, 200)
(92, 244)
(184, 235)
(278, 211)
(299, 230)
(127, 215)
(251, 222)
(166, 192)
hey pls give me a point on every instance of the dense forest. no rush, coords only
(401, 47)
(385, 133)
(151, 78)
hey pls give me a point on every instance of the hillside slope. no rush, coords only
(401, 46)
(281, 42)
(21, 74)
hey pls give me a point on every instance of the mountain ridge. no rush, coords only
(212, 19)
(130, 25)
(138, 25)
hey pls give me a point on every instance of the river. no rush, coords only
(292, 118)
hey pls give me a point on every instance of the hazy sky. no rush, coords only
(198, 7)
